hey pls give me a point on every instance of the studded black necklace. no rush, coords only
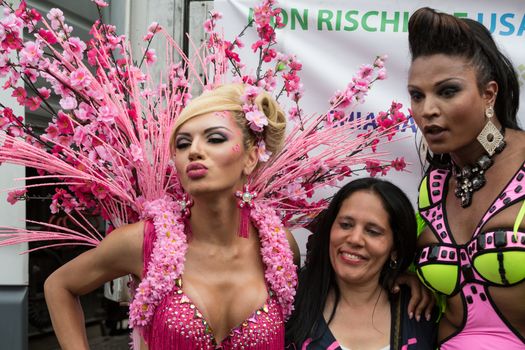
(471, 178)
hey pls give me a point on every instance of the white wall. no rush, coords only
(13, 266)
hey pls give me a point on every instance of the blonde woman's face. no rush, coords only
(210, 155)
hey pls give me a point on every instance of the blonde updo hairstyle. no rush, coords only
(228, 98)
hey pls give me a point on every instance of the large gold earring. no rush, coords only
(490, 137)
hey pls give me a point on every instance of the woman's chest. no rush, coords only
(180, 323)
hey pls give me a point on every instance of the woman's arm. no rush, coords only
(421, 301)
(119, 254)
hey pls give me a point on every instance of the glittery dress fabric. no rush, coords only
(178, 324)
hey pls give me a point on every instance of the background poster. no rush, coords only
(334, 38)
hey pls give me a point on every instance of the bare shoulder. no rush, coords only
(294, 247)
(129, 237)
(118, 254)
(122, 249)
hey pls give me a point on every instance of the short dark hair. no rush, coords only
(317, 277)
(431, 32)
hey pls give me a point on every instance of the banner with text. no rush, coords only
(333, 38)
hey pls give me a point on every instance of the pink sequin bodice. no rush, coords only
(177, 324)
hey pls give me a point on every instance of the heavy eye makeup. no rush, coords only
(415, 95)
(217, 137)
(449, 90)
(184, 141)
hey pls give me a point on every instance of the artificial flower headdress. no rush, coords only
(257, 120)
(107, 148)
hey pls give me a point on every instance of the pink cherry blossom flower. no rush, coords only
(31, 74)
(380, 61)
(399, 163)
(56, 16)
(48, 36)
(381, 74)
(68, 102)
(64, 124)
(65, 140)
(361, 85)
(77, 47)
(250, 94)
(365, 71)
(84, 112)
(257, 45)
(82, 137)
(215, 15)
(262, 153)
(15, 196)
(100, 3)
(107, 114)
(150, 56)
(12, 24)
(154, 27)
(373, 167)
(20, 94)
(15, 131)
(209, 26)
(257, 120)
(12, 41)
(31, 53)
(33, 103)
(136, 153)
(295, 191)
(51, 132)
(80, 78)
(44, 92)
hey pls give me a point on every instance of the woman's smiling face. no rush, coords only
(361, 240)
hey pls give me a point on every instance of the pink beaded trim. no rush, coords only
(169, 251)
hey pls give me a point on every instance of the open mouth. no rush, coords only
(433, 130)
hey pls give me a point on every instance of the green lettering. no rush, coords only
(461, 14)
(324, 16)
(365, 19)
(284, 19)
(349, 18)
(406, 16)
(296, 18)
(338, 20)
(394, 21)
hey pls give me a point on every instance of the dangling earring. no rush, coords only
(392, 264)
(490, 137)
(185, 204)
(245, 203)
(422, 148)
